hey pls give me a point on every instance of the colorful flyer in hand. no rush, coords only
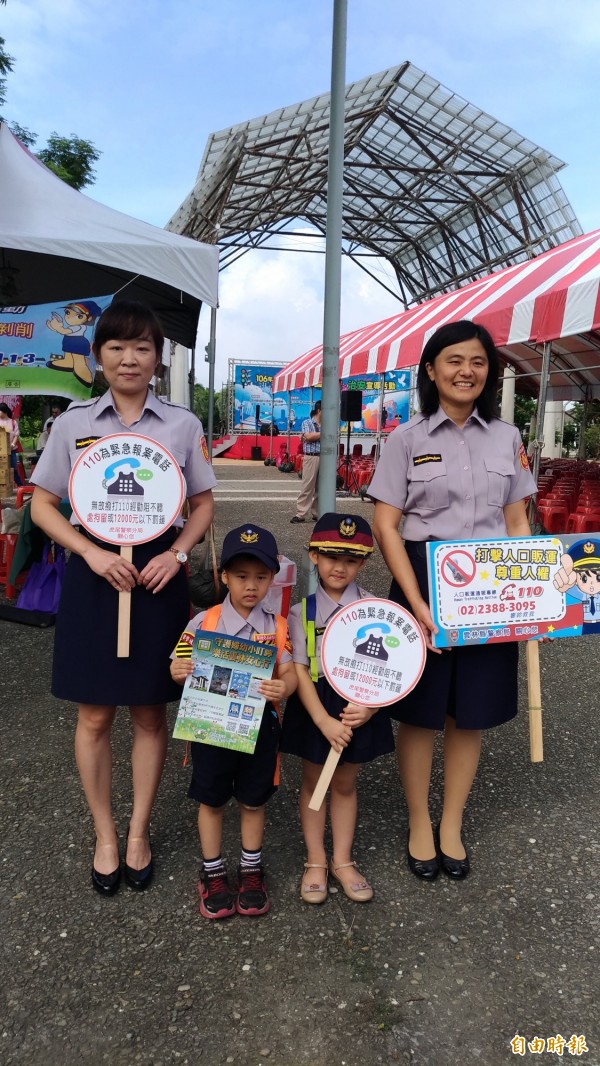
(373, 652)
(221, 704)
(514, 588)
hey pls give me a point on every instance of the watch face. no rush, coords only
(181, 557)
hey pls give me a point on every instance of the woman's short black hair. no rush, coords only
(454, 333)
(126, 320)
(5, 410)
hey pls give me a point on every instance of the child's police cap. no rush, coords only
(250, 540)
(585, 553)
(339, 534)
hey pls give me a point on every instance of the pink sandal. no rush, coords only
(314, 892)
(359, 891)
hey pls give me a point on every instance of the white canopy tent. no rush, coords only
(57, 244)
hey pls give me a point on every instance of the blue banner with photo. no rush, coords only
(255, 406)
(45, 349)
(395, 408)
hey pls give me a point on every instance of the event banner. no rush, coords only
(221, 704)
(253, 392)
(255, 405)
(396, 386)
(514, 588)
(294, 407)
(45, 349)
(253, 387)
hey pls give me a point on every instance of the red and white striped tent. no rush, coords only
(552, 299)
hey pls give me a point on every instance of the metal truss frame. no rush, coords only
(436, 187)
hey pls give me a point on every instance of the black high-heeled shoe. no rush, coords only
(427, 869)
(139, 879)
(106, 884)
(455, 868)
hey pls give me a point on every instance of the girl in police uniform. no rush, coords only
(455, 471)
(128, 346)
(317, 718)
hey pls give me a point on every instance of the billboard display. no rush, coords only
(253, 390)
(256, 406)
(395, 400)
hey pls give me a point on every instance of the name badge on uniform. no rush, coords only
(84, 442)
(430, 457)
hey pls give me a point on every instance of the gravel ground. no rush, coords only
(427, 974)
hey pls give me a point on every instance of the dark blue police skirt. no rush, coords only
(300, 736)
(86, 668)
(478, 686)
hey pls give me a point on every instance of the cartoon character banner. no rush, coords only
(514, 588)
(45, 349)
(396, 385)
(221, 703)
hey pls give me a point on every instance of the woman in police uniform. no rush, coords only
(453, 472)
(128, 346)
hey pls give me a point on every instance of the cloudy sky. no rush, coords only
(148, 82)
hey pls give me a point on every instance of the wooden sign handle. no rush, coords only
(124, 623)
(324, 780)
(534, 690)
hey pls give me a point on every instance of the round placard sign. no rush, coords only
(126, 489)
(373, 652)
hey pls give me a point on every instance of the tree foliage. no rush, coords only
(201, 405)
(524, 411)
(71, 158)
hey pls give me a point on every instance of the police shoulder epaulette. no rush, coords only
(75, 405)
(170, 403)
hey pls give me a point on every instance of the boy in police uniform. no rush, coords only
(248, 565)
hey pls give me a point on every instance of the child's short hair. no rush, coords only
(252, 541)
(336, 534)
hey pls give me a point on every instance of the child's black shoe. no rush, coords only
(252, 899)
(216, 898)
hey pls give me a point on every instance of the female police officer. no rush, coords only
(128, 345)
(455, 471)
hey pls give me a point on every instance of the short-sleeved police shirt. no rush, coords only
(258, 626)
(325, 609)
(452, 482)
(169, 424)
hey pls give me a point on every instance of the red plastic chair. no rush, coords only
(583, 522)
(22, 492)
(8, 543)
(555, 515)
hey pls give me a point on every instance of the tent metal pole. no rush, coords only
(211, 351)
(333, 265)
(289, 421)
(582, 428)
(538, 443)
(380, 415)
